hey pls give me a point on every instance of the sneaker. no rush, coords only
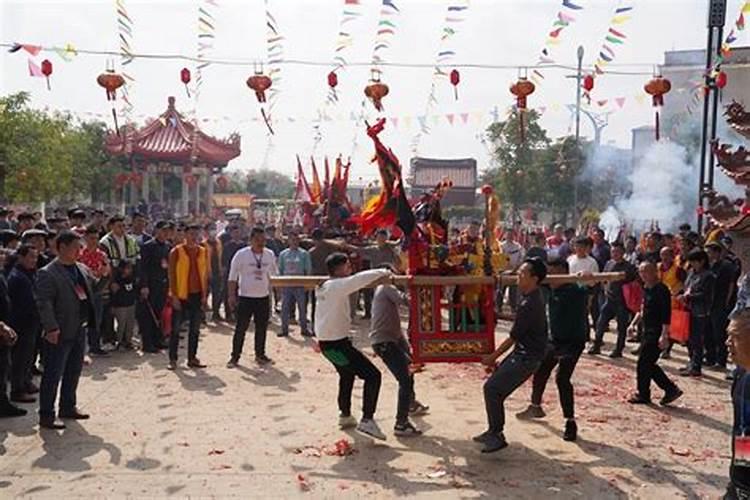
(370, 427)
(595, 349)
(172, 365)
(615, 354)
(571, 430)
(533, 411)
(417, 409)
(636, 399)
(263, 360)
(347, 422)
(406, 429)
(232, 363)
(671, 396)
(495, 442)
(481, 438)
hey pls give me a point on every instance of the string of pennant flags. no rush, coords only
(563, 19)
(125, 36)
(206, 37)
(386, 30)
(614, 36)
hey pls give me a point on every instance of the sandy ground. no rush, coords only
(270, 432)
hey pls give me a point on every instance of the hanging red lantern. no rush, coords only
(333, 81)
(185, 78)
(588, 83)
(376, 90)
(721, 80)
(657, 87)
(455, 80)
(259, 83)
(522, 89)
(47, 70)
(111, 81)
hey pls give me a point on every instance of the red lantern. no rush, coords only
(111, 81)
(721, 80)
(455, 80)
(657, 87)
(522, 89)
(376, 90)
(185, 78)
(588, 83)
(333, 81)
(259, 83)
(47, 70)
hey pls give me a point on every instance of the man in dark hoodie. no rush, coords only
(568, 323)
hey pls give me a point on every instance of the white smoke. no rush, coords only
(610, 223)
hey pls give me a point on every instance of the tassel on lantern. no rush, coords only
(657, 87)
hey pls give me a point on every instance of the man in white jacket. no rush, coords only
(332, 325)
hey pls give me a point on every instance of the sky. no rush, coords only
(507, 33)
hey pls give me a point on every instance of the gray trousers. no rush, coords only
(125, 318)
(513, 371)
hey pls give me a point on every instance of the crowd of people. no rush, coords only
(86, 286)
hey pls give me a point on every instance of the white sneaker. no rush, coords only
(370, 427)
(347, 422)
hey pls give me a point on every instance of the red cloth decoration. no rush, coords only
(455, 80)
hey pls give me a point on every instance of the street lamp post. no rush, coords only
(579, 75)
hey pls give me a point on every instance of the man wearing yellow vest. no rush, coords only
(188, 286)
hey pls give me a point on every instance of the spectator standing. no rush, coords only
(23, 317)
(294, 261)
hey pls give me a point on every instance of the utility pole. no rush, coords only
(579, 76)
(717, 10)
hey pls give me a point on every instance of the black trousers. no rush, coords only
(513, 371)
(367, 295)
(351, 363)
(715, 342)
(648, 369)
(63, 364)
(566, 364)
(148, 315)
(259, 310)
(190, 310)
(22, 358)
(609, 310)
(4, 372)
(397, 357)
(700, 328)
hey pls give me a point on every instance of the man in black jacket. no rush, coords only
(568, 307)
(153, 285)
(655, 317)
(614, 302)
(24, 319)
(7, 338)
(698, 297)
(725, 285)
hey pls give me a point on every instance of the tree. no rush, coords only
(269, 184)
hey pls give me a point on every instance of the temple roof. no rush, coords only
(738, 119)
(172, 138)
(735, 164)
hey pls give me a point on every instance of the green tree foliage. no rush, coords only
(535, 173)
(269, 184)
(46, 156)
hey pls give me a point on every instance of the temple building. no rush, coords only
(171, 150)
(426, 173)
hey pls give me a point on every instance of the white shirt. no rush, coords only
(253, 271)
(332, 314)
(515, 253)
(587, 265)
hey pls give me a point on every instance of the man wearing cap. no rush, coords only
(154, 285)
(4, 222)
(25, 222)
(77, 219)
(9, 239)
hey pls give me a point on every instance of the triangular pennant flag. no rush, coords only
(620, 101)
(571, 5)
(541, 109)
(555, 33)
(464, 118)
(450, 117)
(620, 19)
(34, 69)
(617, 33)
(394, 121)
(566, 18)
(614, 39)
(601, 103)
(31, 49)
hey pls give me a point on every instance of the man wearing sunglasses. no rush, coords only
(251, 267)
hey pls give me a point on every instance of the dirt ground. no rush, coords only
(271, 432)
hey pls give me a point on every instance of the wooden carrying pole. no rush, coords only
(426, 280)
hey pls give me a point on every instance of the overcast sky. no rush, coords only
(497, 32)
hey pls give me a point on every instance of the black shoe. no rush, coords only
(481, 438)
(571, 430)
(615, 354)
(531, 412)
(73, 414)
(263, 360)
(638, 400)
(151, 350)
(689, 372)
(233, 362)
(595, 349)
(9, 411)
(50, 423)
(98, 352)
(22, 397)
(671, 397)
(495, 442)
